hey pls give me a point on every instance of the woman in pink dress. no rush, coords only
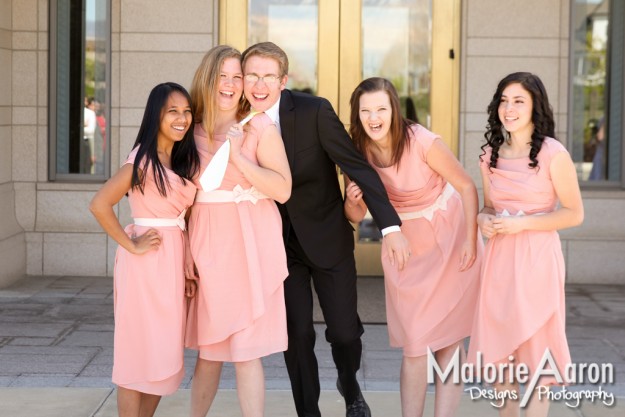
(430, 302)
(525, 173)
(149, 287)
(236, 241)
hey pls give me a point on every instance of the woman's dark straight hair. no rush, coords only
(185, 160)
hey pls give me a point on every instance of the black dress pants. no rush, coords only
(336, 289)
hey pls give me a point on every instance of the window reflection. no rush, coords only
(82, 37)
(397, 45)
(293, 26)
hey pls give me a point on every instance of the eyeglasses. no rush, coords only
(268, 79)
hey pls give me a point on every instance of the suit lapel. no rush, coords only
(287, 125)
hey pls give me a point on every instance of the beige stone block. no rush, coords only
(12, 259)
(519, 47)
(563, 87)
(127, 137)
(42, 153)
(5, 116)
(42, 116)
(68, 186)
(42, 42)
(74, 254)
(24, 78)
(6, 39)
(140, 72)
(24, 153)
(42, 79)
(470, 155)
(26, 204)
(195, 17)
(115, 80)
(166, 42)
(595, 262)
(24, 41)
(66, 211)
(514, 19)
(123, 212)
(25, 15)
(8, 224)
(565, 16)
(131, 117)
(116, 15)
(34, 253)
(603, 219)
(6, 66)
(24, 115)
(115, 150)
(5, 14)
(115, 42)
(484, 73)
(43, 14)
(6, 165)
(476, 122)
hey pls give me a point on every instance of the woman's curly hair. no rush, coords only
(542, 117)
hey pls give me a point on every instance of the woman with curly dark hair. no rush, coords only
(530, 192)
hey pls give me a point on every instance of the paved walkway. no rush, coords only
(56, 340)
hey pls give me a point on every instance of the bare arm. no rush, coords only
(101, 207)
(443, 161)
(272, 176)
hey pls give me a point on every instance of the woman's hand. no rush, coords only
(468, 255)
(150, 240)
(508, 225)
(353, 194)
(235, 136)
(190, 288)
(485, 222)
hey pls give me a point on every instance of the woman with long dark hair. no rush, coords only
(430, 302)
(530, 192)
(149, 287)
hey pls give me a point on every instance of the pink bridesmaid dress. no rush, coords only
(430, 303)
(521, 304)
(150, 305)
(239, 313)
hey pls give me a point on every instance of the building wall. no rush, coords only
(502, 37)
(165, 44)
(12, 242)
(46, 228)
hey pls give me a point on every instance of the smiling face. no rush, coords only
(515, 110)
(260, 93)
(230, 85)
(376, 113)
(175, 119)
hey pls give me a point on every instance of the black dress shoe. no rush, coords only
(359, 408)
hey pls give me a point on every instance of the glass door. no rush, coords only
(333, 45)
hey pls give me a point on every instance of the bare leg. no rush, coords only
(149, 402)
(413, 385)
(251, 387)
(448, 394)
(204, 386)
(510, 407)
(128, 402)
(537, 407)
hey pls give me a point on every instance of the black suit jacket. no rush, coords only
(315, 142)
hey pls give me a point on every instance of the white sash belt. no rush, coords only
(161, 222)
(428, 212)
(237, 195)
(506, 213)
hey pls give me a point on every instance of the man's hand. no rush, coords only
(397, 249)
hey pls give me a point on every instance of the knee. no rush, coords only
(301, 335)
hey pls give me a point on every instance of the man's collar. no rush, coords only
(274, 111)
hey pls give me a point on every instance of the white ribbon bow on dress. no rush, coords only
(250, 194)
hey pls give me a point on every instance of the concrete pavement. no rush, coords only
(56, 338)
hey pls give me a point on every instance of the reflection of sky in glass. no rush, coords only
(379, 43)
(294, 29)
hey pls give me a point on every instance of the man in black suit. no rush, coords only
(318, 238)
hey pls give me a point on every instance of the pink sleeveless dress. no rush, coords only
(239, 313)
(521, 304)
(430, 303)
(150, 305)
